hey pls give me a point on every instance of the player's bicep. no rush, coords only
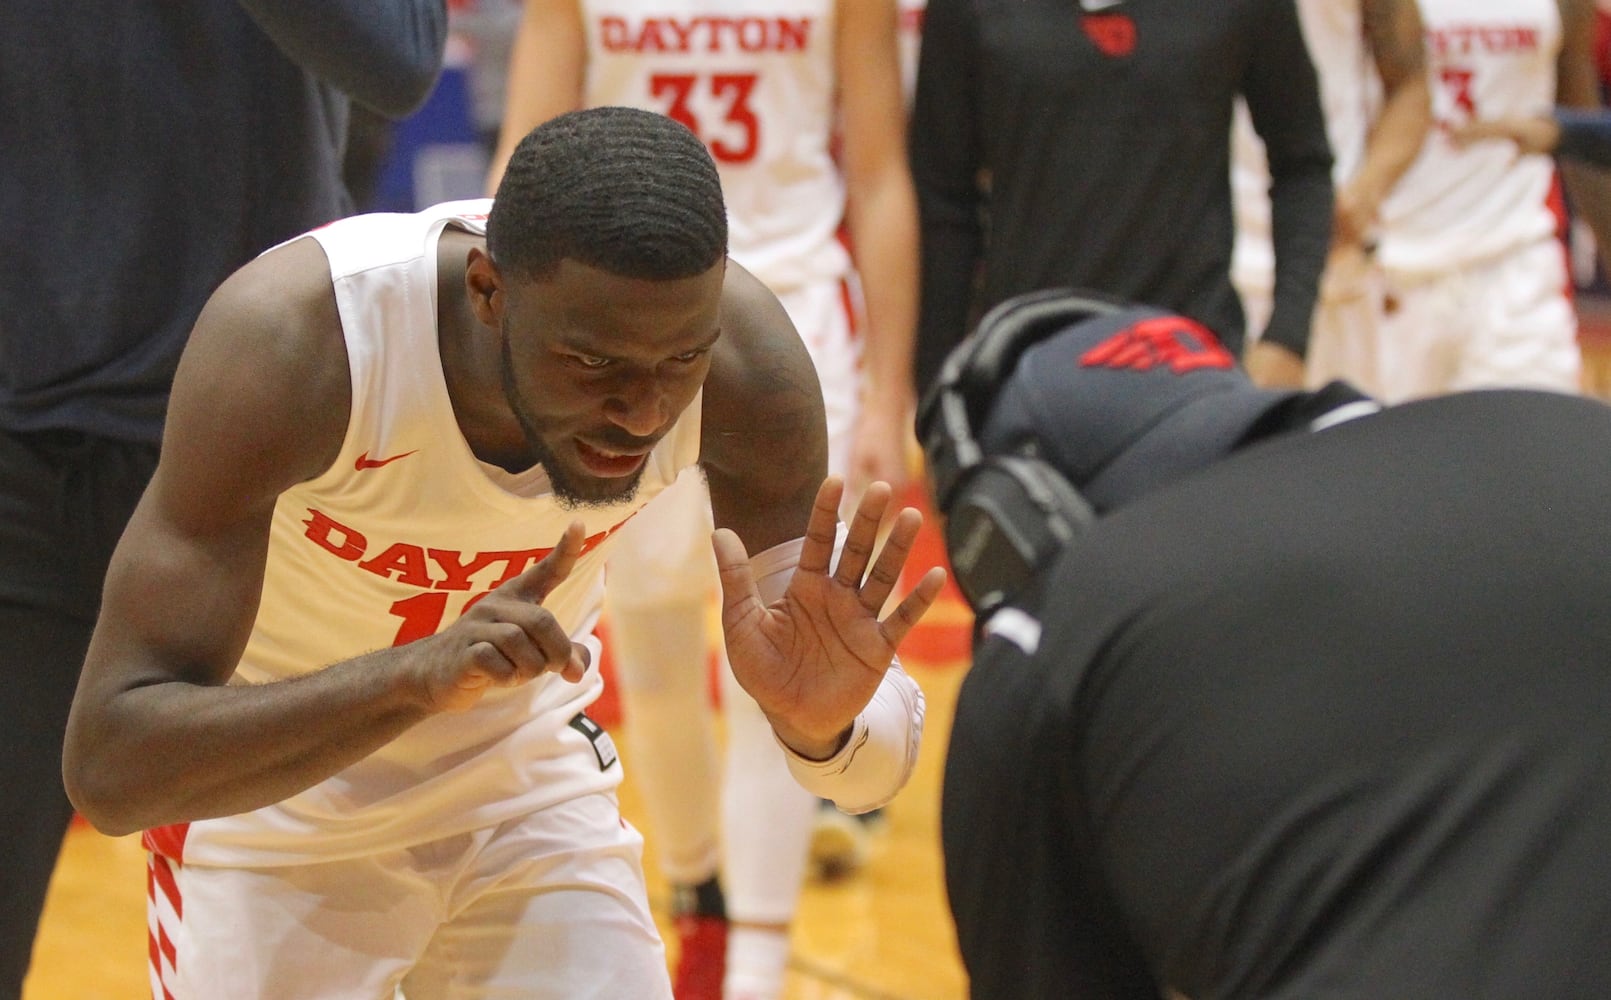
(177, 604)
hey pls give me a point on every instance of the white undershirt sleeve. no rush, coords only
(877, 760)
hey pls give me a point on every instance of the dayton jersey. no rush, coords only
(1487, 59)
(1350, 97)
(391, 544)
(755, 80)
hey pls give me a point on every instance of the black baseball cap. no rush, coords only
(1124, 402)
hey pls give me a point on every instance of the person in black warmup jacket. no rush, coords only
(1055, 143)
(150, 149)
(1275, 694)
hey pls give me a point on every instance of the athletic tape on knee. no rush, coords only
(877, 760)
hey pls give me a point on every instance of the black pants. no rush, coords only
(64, 500)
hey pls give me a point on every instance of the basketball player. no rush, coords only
(800, 105)
(1478, 289)
(342, 665)
(1315, 705)
(1370, 61)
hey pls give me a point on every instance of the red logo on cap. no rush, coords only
(1114, 34)
(1174, 342)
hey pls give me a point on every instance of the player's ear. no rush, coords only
(483, 282)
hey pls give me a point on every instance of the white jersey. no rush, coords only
(1350, 99)
(755, 79)
(391, 544)
(1487, 59)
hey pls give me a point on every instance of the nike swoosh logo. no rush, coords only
(1093, 6)
(365, 462)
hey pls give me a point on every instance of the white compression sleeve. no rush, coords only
(877, 760)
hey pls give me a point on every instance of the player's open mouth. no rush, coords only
(607, 464)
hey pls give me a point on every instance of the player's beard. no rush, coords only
(567, 490)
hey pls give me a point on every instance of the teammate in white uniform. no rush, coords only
(800, 104)
(1477, 278)
(345, 643)
(1370, 62)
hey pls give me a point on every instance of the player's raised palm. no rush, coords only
(813, 658)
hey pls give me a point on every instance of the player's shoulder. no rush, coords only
(361, 243)
(760, 369)
(265, 371)
(757, 336)
(283, 294)
(277, 319)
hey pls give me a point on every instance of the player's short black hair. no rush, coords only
(629, 192)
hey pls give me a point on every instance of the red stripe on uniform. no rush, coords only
(165, 943)
(168, 841)
(152, 952)
(159, 946)
(163, 870)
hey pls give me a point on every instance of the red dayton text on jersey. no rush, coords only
(705, 34)
(1172, 342)
(1113, 34)
(1468, 39)
(415, 565)
(428, 568)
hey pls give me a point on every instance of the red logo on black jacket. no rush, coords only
(1114, 34)
(1172, 342)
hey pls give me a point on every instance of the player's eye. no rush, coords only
(590, 361)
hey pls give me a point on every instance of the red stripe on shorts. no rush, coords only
(160, 949)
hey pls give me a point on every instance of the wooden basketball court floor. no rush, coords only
(882, 934)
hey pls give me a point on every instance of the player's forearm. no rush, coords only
(385, 54)
(1395, 140)
(174, 751)
(547, 63)
(1396, 38)
(876, 758)
(883, 225)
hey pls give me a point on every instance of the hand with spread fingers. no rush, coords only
(813, 658)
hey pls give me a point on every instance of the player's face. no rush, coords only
(597, 368)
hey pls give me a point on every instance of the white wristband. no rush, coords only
(877, 760)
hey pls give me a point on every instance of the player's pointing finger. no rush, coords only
(537, 581)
